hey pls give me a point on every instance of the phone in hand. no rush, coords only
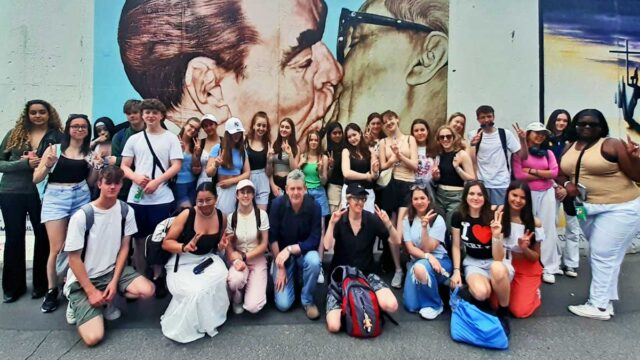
(203, 265)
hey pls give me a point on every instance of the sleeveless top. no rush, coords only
(69, 171)
(281, 163)
(185, 175)
(448, 174)
(311, 175)
(257, 159)
(400, 170)
(361, 166)
(605, 182)
(207, 243)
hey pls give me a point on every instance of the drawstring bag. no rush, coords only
(475, 327)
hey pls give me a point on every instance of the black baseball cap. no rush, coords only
(355, 189)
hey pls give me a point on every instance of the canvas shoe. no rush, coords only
(571, 272)
(589, 311)
(70, 315)
(111, 312)
(238, 309)
(396, 282)
(430, 313)
(549, 278)
(50, 303)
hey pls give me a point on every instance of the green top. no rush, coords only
(118, 142)
(311, 175)
(17, 176)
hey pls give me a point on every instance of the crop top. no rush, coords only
(69, 171)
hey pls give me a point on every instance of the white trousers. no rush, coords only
(572, 231)
(609, 228)
(544, 208)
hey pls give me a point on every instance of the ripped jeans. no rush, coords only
(418, 295)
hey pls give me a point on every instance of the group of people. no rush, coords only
(477, 208)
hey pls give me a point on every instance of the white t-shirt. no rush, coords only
(104, 239)
(492, 165)
(437, 231)
(517, 230)
(167, 147)
(246, 229)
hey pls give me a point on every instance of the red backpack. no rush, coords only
(361, 313)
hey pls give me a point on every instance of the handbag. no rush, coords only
(473, 326)
(385, 178)
(569, 202)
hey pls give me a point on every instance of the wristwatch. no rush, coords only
(289, 249)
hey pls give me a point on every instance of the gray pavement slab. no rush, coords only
(551, 333)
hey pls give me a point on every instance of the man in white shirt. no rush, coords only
(97, 263)
(491, 150)
(156, 155)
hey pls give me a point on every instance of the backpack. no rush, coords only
(503, 141)
(473, 326)
(361, 313)
(153, 252)
(62, 261)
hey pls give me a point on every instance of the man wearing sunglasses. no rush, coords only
(395, 55)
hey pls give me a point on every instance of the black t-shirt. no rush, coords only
(357, 250)
(475, 236)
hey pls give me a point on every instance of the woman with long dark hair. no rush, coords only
(421, 131)
(424, 233)
(335, 144)
(539, 170)
(282, 158)
(228, 162)
(523, 234)
(185, 188)
(359, 165)
(558, 125)
(373, 131)
(20, 153)
(69, 171)
(209, 125)
(601, 173)
(257, 144)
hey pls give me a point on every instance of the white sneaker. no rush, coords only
(70, 315)
(589, 311)
(610, 309)
(571, 272)
(111, 312)
(549, 278)
(396, 282)
(430, 313)
(321, 277)
(238, 309)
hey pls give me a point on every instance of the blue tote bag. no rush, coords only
(473, 326)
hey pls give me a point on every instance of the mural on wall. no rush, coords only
(313, 61)
(591, 59)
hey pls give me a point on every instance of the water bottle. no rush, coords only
(139, 194)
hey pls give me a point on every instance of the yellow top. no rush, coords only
(400, 170)
(605, 182)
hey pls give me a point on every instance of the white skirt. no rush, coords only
(200, 302)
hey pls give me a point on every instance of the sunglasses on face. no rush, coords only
(590, 124)
(445, 137)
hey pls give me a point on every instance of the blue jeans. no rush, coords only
(416, 295)
(310, 266)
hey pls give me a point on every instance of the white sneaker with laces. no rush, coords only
(111, 312)
(396, 282)
(571, 272)
(430, 313)
(589, 311)
(70, 315)
(610, 309)
(549, 278)
(238, 309)
(321, 277)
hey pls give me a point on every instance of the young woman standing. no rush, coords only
(359, 165)
(282, 158)
(208, 124)
(257, 145)
(421, 131)
(185, 189)
(458, 122)
(335, 144)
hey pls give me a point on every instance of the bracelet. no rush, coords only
(182, 247)
(565, 183)
(426, 256)
(456, 269)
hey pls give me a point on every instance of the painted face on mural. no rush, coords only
(377, 77)
(289, 72)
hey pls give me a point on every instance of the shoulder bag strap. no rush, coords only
(89, 217)
(156, 161)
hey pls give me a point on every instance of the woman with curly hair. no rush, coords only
(20, 153)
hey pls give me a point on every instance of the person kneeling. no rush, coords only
(97, 258)
(353, 231)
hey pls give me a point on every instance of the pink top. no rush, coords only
(536, 162)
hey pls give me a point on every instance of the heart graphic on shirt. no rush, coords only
(482, 233)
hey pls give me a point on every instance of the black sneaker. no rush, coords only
(161, 286)
(51, 301)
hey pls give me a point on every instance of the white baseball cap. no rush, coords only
(244, 183)
(537, 126)
(233, 125)
(209, 117)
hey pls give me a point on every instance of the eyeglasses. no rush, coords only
(245, 191)
(445, 137)
(78, 127)
(589, 124)
(350, 19)
(207, 201)
(361, 199)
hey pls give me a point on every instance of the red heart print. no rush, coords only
(482, 233)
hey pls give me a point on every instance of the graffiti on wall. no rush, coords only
(591, 59)
(313, 61)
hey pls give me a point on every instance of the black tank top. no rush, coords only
(207, 243)
(69, 171)
(257, 159)
(448, 174)
(362, 166)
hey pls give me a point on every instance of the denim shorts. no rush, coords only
(321, 198)
(185, 193)
(61, 201)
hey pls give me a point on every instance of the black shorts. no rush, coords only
(396, 195)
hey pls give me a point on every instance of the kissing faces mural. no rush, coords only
(308, 60)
